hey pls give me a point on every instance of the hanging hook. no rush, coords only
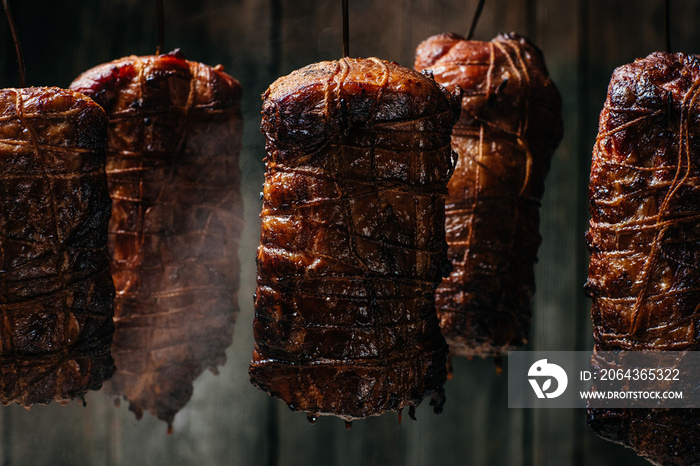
(475, 19)
(667, 15)
(346, 32)
(161, 27)
(18, 48)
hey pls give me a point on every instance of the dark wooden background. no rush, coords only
(230, 422)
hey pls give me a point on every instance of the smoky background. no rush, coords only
(228, 421)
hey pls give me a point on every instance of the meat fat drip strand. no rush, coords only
(498, 361)
(352, 239)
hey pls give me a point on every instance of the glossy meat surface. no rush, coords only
(353, 243)
(56, 291)
(509, 128)
(172, 162)
(644, 276)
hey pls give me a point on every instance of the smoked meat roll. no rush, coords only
(510, 125)
(175, 132)
(56, 292)
(353, 241)
(644, 239)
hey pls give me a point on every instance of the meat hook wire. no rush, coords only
(475, 19)
(161, 27)
(346, 32)
(667, 16)
(15, 39)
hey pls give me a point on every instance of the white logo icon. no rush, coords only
(551, 371)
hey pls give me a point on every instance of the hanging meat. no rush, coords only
(644, 238)
(175, 133)
(509, 128)
(353, 242)
(56, 291)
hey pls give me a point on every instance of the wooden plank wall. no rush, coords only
(230, 422)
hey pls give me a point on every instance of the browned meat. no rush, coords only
(644, 236)
(666, 437)
(56, 291)
(172, 164)
(353, 240)
(509, 128)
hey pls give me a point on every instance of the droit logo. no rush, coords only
(540, 376)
